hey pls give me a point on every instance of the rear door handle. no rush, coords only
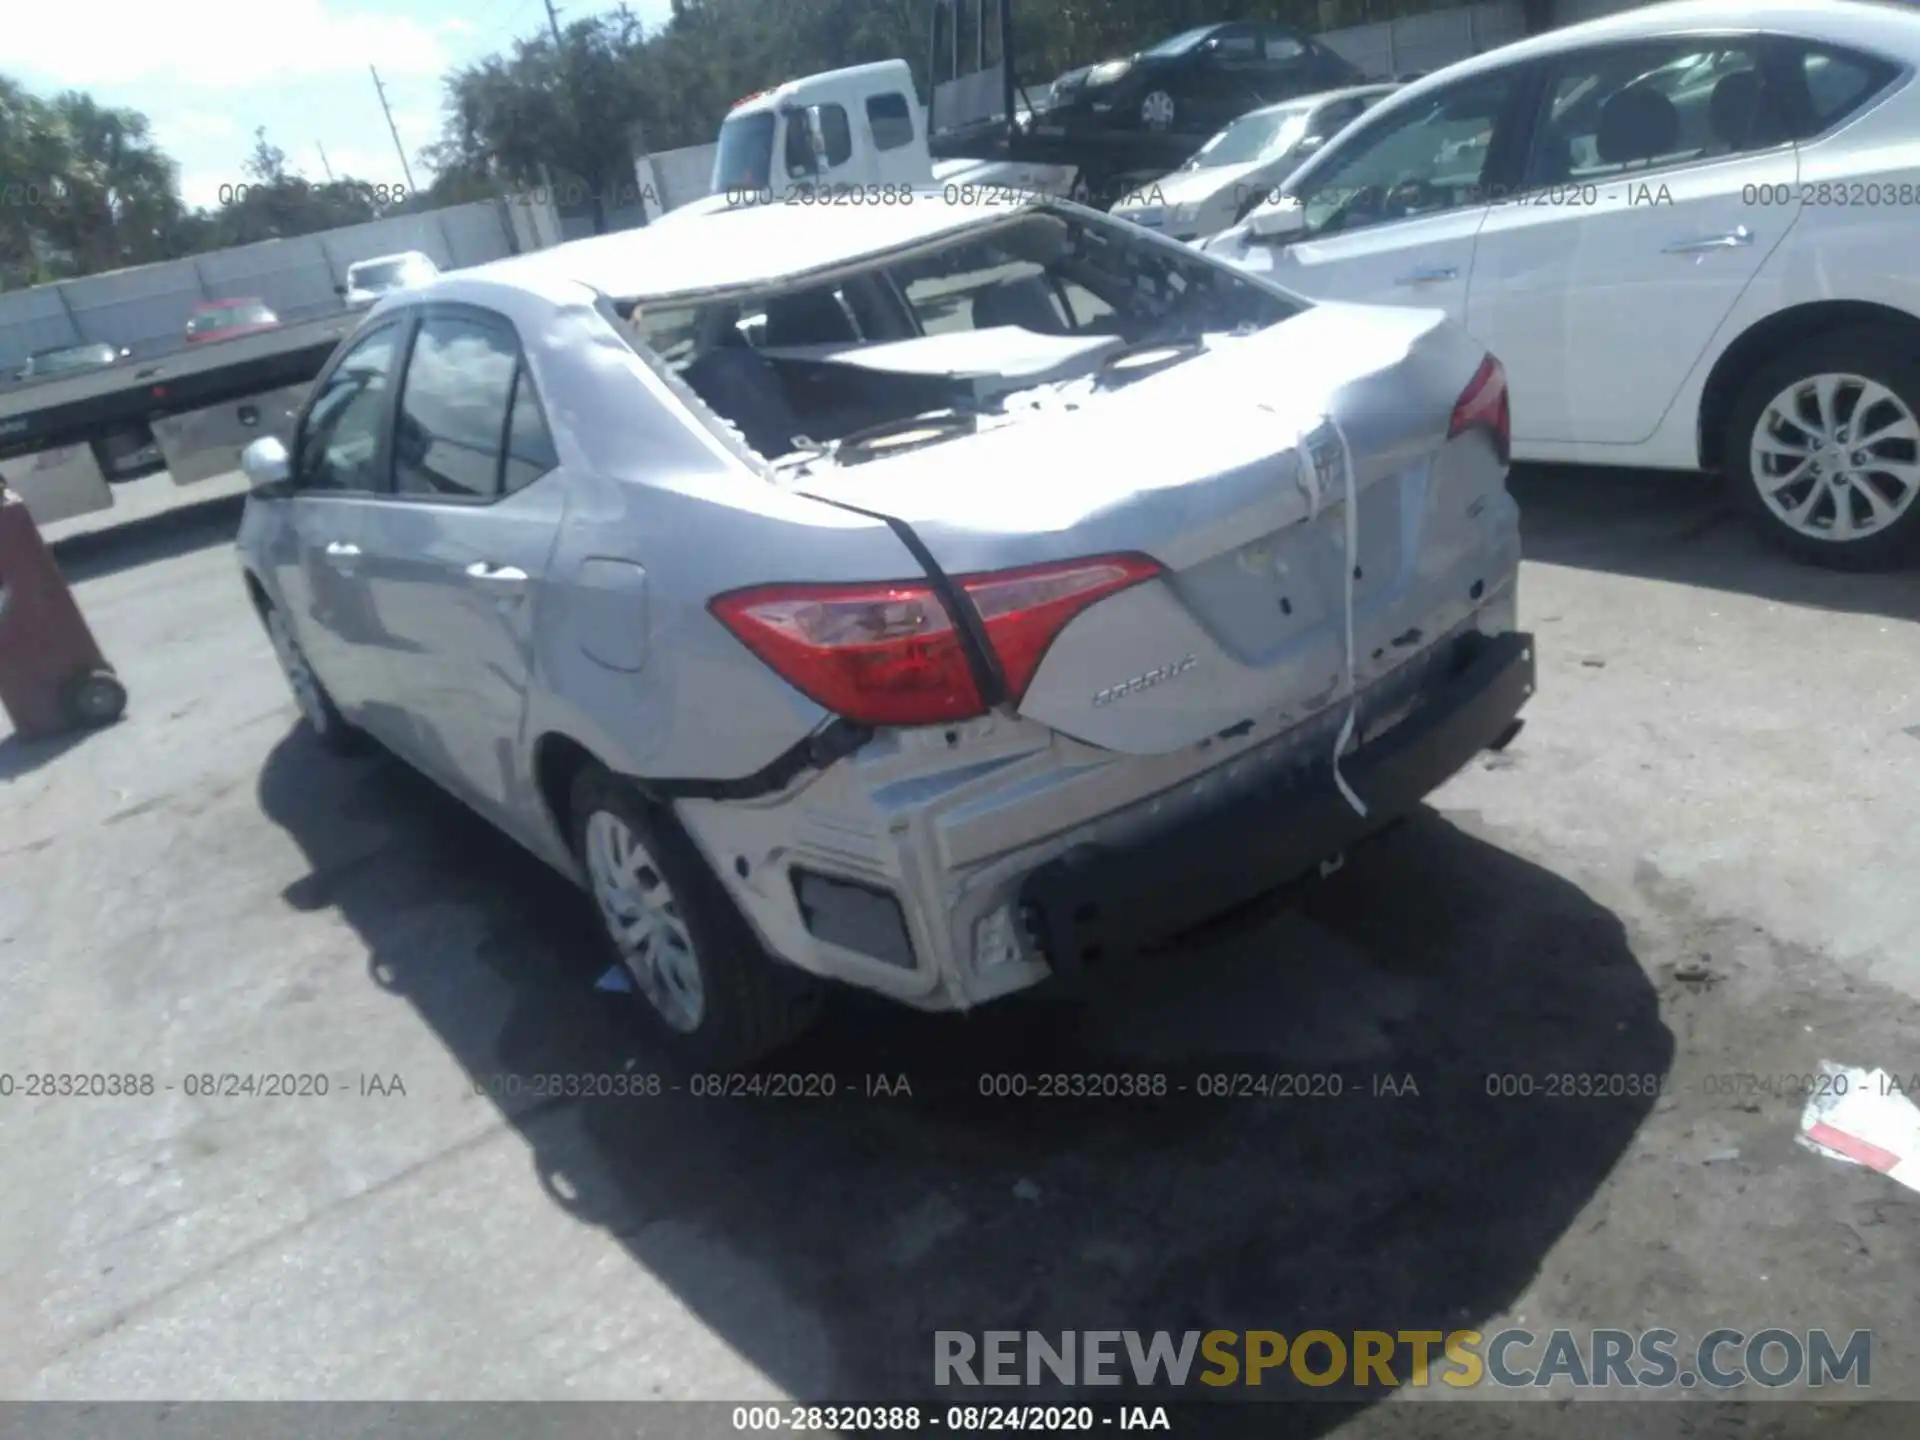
(496, 574)
(1727, 240)
(1428, 276)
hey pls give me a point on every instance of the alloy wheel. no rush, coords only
(300, 677)
(644, 919)
(1836, 457)
(1156, 111)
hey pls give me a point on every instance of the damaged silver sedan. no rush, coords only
(928, 597)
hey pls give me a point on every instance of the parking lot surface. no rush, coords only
(1695, 863)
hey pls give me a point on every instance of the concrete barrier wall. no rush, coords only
(146, 308)
(1430, 41)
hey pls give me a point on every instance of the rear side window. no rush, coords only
(1616, 110)
(454, 409)
(837, 133)
(1237, 45)
(892, 122)
(530, 452)
(1836, 84)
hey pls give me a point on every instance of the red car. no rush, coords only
(224, 319)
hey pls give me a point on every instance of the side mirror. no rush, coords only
(341, 291)
(266, 465)
(1281, 220)
(1309, 144)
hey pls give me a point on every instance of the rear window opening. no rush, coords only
(904, 352)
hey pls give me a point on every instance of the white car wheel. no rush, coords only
(1835, 457)
(1823, 448)
(1157, 110)
(643, 919)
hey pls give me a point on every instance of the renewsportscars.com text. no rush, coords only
(1506, 1359)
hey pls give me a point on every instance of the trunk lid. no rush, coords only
(1197, 467)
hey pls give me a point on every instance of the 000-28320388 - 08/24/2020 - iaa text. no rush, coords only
(971, 1419)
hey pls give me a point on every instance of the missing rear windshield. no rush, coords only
(919, 349)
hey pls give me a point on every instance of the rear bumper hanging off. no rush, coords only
(1093, 905)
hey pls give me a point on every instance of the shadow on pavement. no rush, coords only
(19, 757)
(139, 542)
(827, 1239)
(1664, 525)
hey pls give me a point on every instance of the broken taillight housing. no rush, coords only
(1483, 406)
(890, 654)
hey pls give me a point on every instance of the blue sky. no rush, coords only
(207, 72)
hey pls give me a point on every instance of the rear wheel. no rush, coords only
(1823, 447)
(323, 717)
(714, 996)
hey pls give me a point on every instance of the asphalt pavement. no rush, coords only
(1696, 862)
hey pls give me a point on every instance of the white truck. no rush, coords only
(851, 136)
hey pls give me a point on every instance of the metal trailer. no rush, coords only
(66, 439)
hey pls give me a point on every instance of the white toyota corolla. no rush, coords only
(1690, 231)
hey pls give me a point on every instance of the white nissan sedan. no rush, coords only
(1690, 233)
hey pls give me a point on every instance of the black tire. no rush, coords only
(93, 698)
(321, 717)
(752, 1004)
(1871, 353)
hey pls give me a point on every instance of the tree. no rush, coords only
(268, 162)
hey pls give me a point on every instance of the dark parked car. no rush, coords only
(1195, 82)
(66, 359)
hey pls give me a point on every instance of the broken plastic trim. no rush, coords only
(825, 747)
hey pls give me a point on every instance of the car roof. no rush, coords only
(745, 246)
(1871, 24)
(211, 305)
(388, 259)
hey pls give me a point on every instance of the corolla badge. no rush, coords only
(1145, 682)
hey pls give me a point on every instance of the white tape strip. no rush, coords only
(1350, 550)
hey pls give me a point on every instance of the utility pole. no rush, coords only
(401, 150)
(553, 21)
(323, 161)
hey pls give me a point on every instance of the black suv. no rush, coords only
(1194, 83)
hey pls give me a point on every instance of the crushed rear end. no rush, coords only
(1151, 614)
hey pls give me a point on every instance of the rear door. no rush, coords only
(338, 460)
(457, 554)
(1641, 215)
(1393, 209)
(1219, 82)
(1287, 65)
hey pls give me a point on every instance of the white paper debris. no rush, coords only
(616, 981)
(1864, 1118)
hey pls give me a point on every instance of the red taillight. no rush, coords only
(1483, 405)
(1024, 610)
(889, 654)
